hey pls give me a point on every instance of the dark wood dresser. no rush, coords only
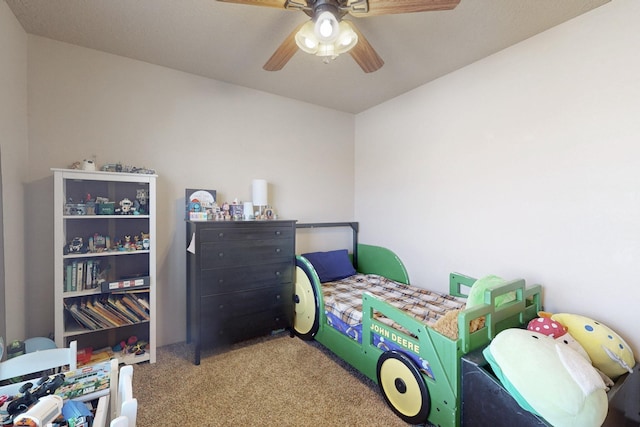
(240, 280)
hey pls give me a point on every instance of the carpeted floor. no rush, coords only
(271, 381)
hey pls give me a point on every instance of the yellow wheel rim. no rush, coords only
(305, 310)
(400, 387)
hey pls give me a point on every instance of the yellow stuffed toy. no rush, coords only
(606, 349)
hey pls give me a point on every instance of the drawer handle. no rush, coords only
(278, 232)
(221, 254)
(277, 274)
(277, 296)
(277, 250)
(221, 234)
(221, 281)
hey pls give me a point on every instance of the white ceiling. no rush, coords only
(231, 42)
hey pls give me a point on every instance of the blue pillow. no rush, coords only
(332, 265)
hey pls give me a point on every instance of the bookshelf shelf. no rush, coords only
(101, 254)
(75, 330)
(91, 217)
(105, 265)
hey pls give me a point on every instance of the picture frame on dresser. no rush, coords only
(198, 204)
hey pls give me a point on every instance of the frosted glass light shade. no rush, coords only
(308, 41)
(260, 194)
(326, 27)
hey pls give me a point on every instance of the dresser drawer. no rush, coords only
(246, 302)
(246, 232)
(237, 253)
(222, 331)
(233, 279)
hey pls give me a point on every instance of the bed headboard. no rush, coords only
(354, 228)
(369, 259)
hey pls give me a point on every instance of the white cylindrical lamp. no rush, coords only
(260, 194)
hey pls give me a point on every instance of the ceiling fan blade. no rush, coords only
(284, 52)
(386, 7)
(269, 3)
(364, 54)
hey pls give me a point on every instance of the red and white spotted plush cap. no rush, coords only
(547, 326)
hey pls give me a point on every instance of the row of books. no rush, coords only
(82, 274)
(108, 311)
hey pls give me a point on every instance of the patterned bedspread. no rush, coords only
(343, 299)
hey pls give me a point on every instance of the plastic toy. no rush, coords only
(126, 207)
(46, 386)
(75, 246)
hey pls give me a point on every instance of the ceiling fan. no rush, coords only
(328, 35)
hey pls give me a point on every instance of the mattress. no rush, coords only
(343, 298)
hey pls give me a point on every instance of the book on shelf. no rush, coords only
(119, 305)
(67, 277)
(142, 301)
(116, 311)
(100, 312)
(103, 313)
(134, 306)
(81, 275)
(92, 314)
(81, 318)
(74, 276)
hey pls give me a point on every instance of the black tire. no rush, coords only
(403, 387)
(307, 313)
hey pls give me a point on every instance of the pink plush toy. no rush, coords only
(547, 326)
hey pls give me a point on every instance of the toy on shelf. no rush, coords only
(76, 245)
(126, 207)
(131, 346)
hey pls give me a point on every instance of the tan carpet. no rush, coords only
(271, 381)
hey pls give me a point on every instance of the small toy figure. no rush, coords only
(126, 207)
(142, 195)
(146, 243)
(88, 165)
(127, 243)
(75, 246)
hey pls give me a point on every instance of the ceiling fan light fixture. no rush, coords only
(327, 27)
(347, 38)
(344, 39)
(306, 39)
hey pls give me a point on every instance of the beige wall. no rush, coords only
(524, 164)
(13, 154)
(195, 132)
